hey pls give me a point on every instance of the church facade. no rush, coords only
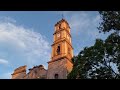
(60, 64)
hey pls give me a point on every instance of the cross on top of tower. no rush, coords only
(62, 16)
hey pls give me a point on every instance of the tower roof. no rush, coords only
(62, 20)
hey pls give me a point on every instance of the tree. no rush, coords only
(102, 60)
(110, 21)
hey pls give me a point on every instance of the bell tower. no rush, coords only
(62, 52)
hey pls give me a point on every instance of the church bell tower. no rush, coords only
(62, 52)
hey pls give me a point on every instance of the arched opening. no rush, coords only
(59, 26)
(58, 49)
(56, 76)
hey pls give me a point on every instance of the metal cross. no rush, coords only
(62, 15)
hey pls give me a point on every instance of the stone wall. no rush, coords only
(19, 73)
(57, 67)
(37, 72)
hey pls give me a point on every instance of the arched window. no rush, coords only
(59, 26)
(56, 76)
(58, 49)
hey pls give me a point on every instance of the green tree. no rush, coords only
(110, 21)
(102, 60)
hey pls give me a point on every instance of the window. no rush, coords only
(58, 49)
(56, 76)
(59, 26)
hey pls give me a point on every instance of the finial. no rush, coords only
(62, 15)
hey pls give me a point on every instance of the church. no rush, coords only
(60, 64)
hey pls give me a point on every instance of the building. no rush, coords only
(19, 73)
(60, 64)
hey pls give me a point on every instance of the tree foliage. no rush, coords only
(102, 60)
(110, 21)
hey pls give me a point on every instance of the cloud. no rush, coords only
(22, 46)
(3, 61)
(83, 28)
(83, 22)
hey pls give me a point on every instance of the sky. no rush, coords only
(26, 36)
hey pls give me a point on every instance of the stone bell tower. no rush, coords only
(62, 52)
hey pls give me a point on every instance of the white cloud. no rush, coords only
(22, 46)
(83, 28)
(3, 61)
(83, 22)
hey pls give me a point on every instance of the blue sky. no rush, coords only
(26, 36)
